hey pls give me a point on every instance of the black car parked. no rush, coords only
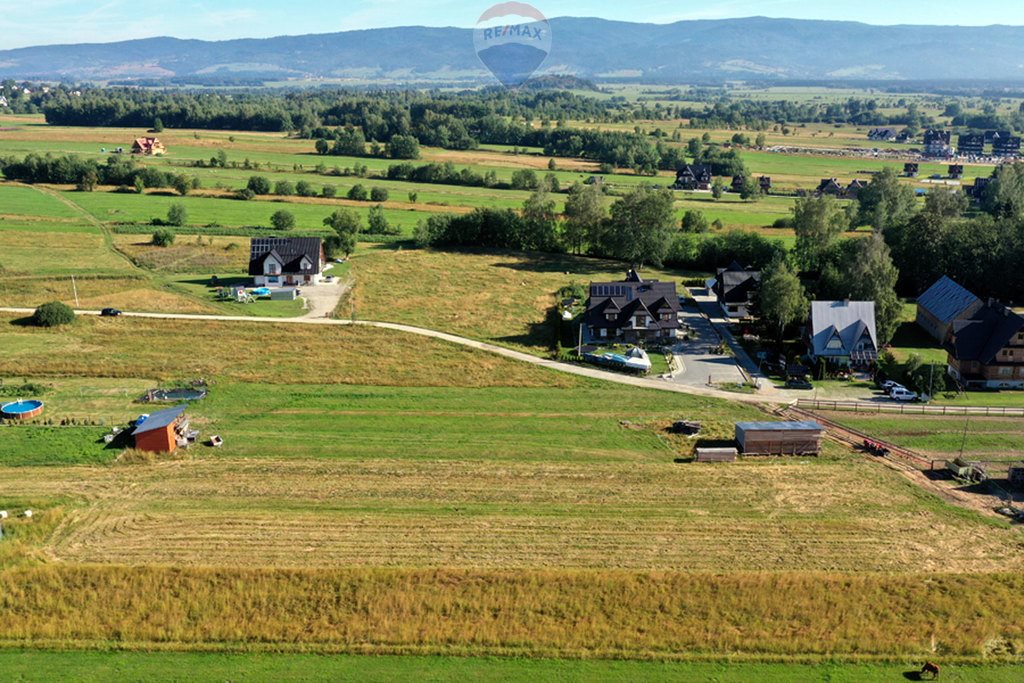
(110, 313)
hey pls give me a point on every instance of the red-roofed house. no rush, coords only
(148, 147)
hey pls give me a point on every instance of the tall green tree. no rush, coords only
(584, 216)
(641, 226)
(944, 202)
(818, 223)
(781, 299)
(346, 226)
(377, 222)
(863, 270)
(1004, 197)
(886, 202)
(540, 221)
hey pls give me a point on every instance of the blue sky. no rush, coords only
(38, 22)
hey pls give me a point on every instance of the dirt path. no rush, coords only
(108, 238)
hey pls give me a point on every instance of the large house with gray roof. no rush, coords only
(942, 304)
(843, 333)
(634, 310)
(286, 261)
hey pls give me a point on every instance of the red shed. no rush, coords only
(161, 432)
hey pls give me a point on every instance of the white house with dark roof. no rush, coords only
(286, 261)
(942, 304)
(843, 332)
(735, 287)
(634, 310)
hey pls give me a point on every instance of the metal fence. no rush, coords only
(907, 408)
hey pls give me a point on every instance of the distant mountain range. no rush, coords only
(689, 51)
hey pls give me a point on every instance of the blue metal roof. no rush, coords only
(946, 300)
(778, 427)
(160, 420)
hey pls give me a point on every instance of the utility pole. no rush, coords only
(963, 443)
(74, 287)
(579, 348)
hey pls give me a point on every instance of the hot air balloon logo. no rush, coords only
(512, 40)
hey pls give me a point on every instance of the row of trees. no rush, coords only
(88, 173)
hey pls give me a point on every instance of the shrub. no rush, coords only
(282, 220)
(259, 185)
(284, 188)
(329, 191)
(358, 193)
(695, 222)
(177, 215)
(304, 189)
(245, 194)
(53, 314)
(163, 238)
(379, 194)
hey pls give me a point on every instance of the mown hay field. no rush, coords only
(630, 510)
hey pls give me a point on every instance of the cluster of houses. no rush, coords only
(984, 339)
(699, 177)
(636, 310)
(833, 187)
(939, 143)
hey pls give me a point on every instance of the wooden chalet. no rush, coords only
(693, 177)
(831, 187)
(634, 310)
(148, 147)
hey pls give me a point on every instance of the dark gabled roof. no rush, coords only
(933, 135)
(289, 251)
(983, 335)
(627, 298)
(736, 284)
(696, 171)
(946, 300)
(160, 420)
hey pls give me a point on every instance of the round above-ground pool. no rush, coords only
(21, 410)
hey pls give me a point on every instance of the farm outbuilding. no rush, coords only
(779, 438)
(162, 432)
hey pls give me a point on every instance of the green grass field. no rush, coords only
(89, 667)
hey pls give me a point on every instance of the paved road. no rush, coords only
(699, 363)
(579, 370)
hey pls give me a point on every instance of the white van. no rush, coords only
(903, 395)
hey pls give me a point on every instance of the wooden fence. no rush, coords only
(907, 408)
